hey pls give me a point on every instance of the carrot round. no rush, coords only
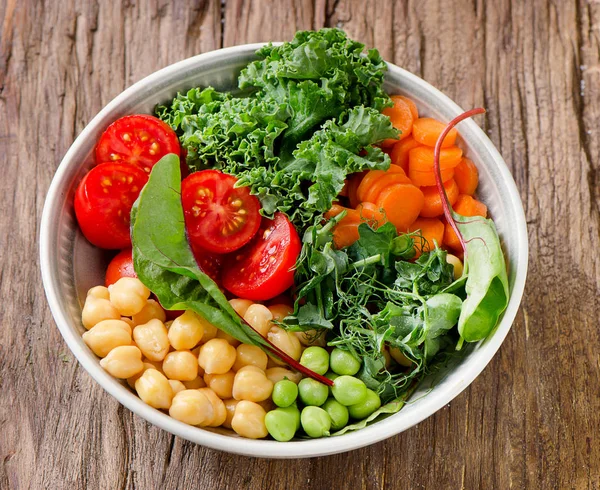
(432, 231)
(353, 183)
(466, 176)
(399, 153)
(465, 206)
(421, 158)
(425, 179)
(426, 131)
(432, 206)
(372, 193)
(345, 235)
(352, 216)
(413, 107)
(401, 117)
(401, 203)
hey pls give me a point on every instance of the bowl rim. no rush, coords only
(266, 448)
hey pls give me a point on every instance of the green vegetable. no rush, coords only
(349, 390)
(284, 393)
(487, 281)
(363, 409)
(281, 424)
(337, 412)
(292, 410)
(343, 362)
(312, 392)
(315, 421)
(316, 359)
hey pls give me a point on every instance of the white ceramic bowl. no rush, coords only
(70, 265)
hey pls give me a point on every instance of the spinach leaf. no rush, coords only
(164, 262)
(487, 280)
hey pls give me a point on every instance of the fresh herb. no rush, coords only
(164, 262)
(314, 112)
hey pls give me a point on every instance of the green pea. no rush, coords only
(343, 362)
(285, 393)
(332, 376)
(316, 359)
(281, 424)
(312, 392)
(349, 390)
(337, 412)
(292, 410)
(365, 408)
(315, 421)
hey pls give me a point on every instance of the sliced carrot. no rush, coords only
(372, 193)
(426, 131)
(466, 176)
(432, 230)
(425, 179)
(401, 117)
(421, 158)
(466, 206)
(401, 203)
(345, 235)
(413, 107)
(352, 216)
(432, 206)
(355, 180)
(399, 153)
(371, 213)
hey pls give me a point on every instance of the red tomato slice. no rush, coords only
(219, 217)
(140, 140)
(120, 266)
(264, 268)
(103, 203)
(209, 263)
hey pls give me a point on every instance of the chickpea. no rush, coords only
(106, 335)
(229, 338)
(267, 404)
(278, 373)
(155, 364)
(217, 356)
(123, 362)
(249, 420)
(230, 405)
(279, 312)
(128, 321)
(311, 337)
(196, 352)
(241, 305)
(152, 339)
(99, 292)
(150, 311)
(192, 407)
(96, 310)
(186, 331)
(194, 384)
(181, 365)
(458, 265)
(399, 357)
(128, 295)
(209, 330)
(154, 389)
(221, 384)
(286, 341)
(259, 317)
(176, 385)
(251, 383)
(131, 381)
(220, 414)
(250, 355)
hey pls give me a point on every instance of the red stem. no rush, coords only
(438, 172)
(292, 362)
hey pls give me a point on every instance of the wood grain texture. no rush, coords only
(531, 420)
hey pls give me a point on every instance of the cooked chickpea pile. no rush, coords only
(204, 377)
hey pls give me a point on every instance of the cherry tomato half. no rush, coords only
(140, 140)
(264, 268)
(120, 266)
(209, 263)
(103, 203)
(219, 217)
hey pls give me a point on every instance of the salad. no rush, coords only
(293, 258)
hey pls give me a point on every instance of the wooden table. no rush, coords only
(531, 420)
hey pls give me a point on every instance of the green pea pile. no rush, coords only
(313, 406)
